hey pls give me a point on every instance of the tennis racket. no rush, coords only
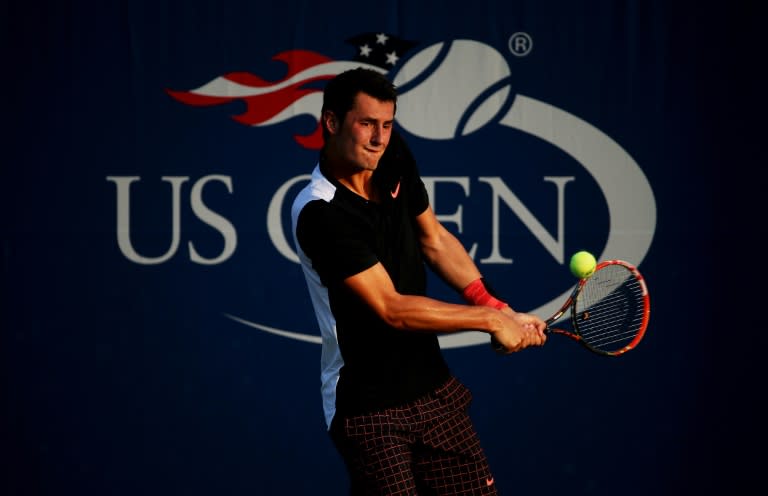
(607, 312)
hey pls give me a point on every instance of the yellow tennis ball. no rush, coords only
(583, 264)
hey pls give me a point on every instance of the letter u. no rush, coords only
(123, 184)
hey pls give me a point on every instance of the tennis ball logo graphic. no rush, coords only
(451, 89)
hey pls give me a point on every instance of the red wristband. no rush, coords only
(476, 294)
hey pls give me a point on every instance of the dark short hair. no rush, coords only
(340, 92)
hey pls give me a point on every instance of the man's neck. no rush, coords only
(358, 181)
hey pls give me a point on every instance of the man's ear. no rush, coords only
(330, 121)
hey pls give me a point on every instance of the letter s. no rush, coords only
(213, 219)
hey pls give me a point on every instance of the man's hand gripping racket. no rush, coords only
(607, 312)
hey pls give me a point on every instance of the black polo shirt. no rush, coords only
(340, 234)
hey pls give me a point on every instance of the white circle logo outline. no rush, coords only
(629, 198)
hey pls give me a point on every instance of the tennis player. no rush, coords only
(364, 230)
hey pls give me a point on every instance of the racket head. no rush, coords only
(609, 311)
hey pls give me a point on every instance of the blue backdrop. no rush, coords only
(156, 333)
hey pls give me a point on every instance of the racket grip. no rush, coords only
(497, 347)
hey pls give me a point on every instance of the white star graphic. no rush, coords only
(365, 50)
(392, 58)
(382, 38)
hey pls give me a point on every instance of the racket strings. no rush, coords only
(609, 309)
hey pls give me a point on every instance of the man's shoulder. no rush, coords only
(318, 188)
(315, 212)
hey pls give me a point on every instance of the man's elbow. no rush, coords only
(395, 313)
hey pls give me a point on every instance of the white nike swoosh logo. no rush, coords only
(396, 191)
(309, 338)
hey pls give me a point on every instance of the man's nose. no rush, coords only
(377, 137)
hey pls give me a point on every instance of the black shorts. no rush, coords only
(425, 447)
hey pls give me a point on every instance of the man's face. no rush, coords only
(360, 140)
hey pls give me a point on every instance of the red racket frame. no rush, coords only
(570, 304)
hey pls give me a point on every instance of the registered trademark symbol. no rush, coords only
(520, 44)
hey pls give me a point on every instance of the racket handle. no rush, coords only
(500, 348)
(497, 347)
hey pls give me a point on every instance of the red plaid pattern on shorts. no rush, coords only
(427, 447)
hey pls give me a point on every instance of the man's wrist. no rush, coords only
(476, 293)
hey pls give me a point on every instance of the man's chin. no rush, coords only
(369, 165)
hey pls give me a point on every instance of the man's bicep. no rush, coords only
(444, 252)
(431, 230)
(374, 287)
